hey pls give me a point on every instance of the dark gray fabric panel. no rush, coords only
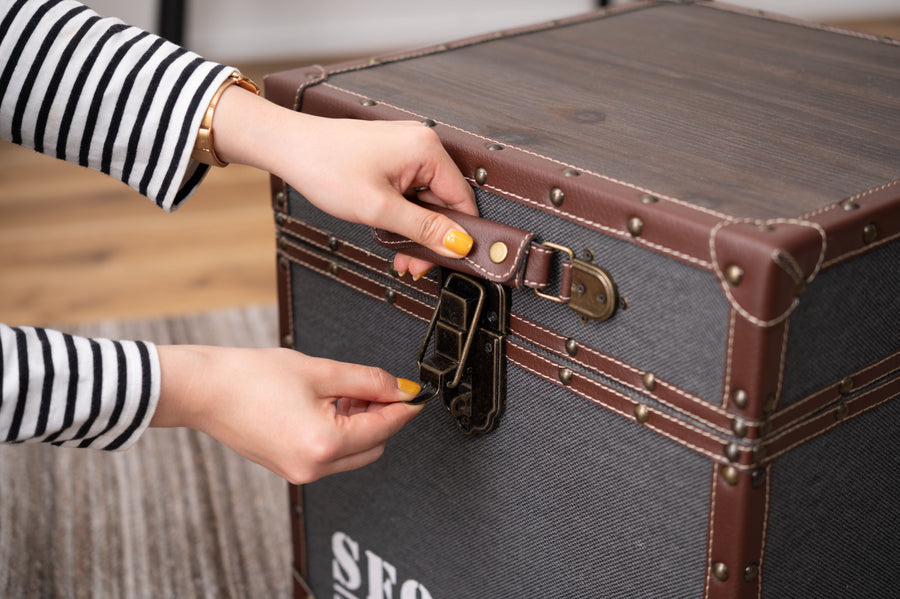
(676, 325)
(834, 513)
(847, 319)
(565, 499)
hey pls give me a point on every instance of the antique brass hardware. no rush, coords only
(593, 295)
(467, 367)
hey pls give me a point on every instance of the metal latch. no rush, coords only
(468, 366)
(593, 293)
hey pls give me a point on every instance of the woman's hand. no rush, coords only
(355, 170)
(301, 417)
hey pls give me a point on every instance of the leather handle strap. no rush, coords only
(500, 253)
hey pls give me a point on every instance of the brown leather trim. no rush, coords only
(736, 534)
(806, 430)
(803, 409)
(298, 533)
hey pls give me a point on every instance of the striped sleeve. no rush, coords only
(105, 95)
(73, 391)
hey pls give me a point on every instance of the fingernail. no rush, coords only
(458, 242)
(408, 386)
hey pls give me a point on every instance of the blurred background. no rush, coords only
(76, 246)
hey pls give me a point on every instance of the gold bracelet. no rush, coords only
(204, 147)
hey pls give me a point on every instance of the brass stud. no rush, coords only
(494, 147)
(281, 199)
(394, 272)
(333, 269)
(428, 122)
(287, 340)
(649, 199)
(759, 453)
(280, 218)
(623, 302)
(751, 572)
(730, 475)
(571, 172)
(282, 243)
(764, 428)
(770, 404)
(870, 232)
(333, 243)
(720, 571)
(565, 376)
(571, 347)
(739, 426)
(846, 387)
(369, 103)
(733, 452)
(557, 196)
(390, 295)
(734, 274)
(849, 205)
(374, 61)
(641, 413)
(649, 381)
(283, 263)
(841, 411)
(758, 478)
(765, 227)
(740, 398)
(499, 252)
(480, 175)
(635, 226)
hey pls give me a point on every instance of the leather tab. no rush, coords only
(487, 235)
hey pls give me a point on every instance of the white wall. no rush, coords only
(239, 30)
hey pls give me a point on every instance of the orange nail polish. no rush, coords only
(408, 386)
(458, 242)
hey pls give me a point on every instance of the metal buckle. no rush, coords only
(468, 366)
(593, 294)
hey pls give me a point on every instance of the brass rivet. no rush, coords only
(846, 387)
(841, 411)
(765, 227)
(280, 218)
(734, 274)
(282, 243)
(390, 295)
(623, 302)
(283, 263)
(443, 47)
(280, 199)
(557, 196)
(571, 172)
(649, 381)
(565, 376)
(649, 199)
(739, 397)
(587, 255)
(733, 452)
(739, 427)
(394, 272)
(368, 103)
(571, 347)
(730, 475)
(428, 122)
(313, 75)
(494, 147)
(499, 252)
(849, 205)
(751, 572)
(287, 340)
(720, 571)
(641, 413)
(635, 226)
(374, 61)
(480, 176)
(758, 478)
(870, 232)
(333, 269)
(770, 404)
(764, 428)
(298, 510)
(333, 243)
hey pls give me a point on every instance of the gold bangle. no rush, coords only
(204, 148)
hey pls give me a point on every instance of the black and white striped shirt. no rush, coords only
(111, 97)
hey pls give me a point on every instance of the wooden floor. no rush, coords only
(77, 246)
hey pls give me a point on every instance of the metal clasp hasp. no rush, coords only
(592, 291)
(468, 367)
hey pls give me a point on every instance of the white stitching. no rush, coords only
(729, 354)
(765, 531)
(712, 513)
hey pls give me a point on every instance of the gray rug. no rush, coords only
(177, 515)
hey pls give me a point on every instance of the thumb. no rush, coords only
(431, 229)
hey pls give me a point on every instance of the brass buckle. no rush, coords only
(467, 367)
(593, 295)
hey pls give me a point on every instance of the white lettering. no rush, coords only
(379, 586)
(413, 590)
(345, 566)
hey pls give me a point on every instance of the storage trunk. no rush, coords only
(668, 368)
